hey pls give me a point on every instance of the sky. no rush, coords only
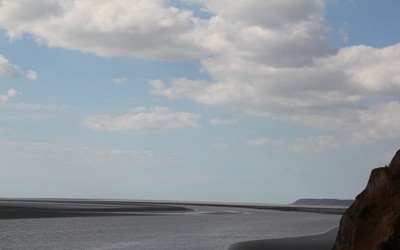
(197, 100)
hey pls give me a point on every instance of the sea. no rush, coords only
(203, 228)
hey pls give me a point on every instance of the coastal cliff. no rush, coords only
(373, 220)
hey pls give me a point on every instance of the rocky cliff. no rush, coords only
(373, 220)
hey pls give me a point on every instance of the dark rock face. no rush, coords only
(373, 220)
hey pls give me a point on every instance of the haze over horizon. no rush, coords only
(199, 100)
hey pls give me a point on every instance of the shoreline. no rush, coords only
(324, 241)
(59, 207)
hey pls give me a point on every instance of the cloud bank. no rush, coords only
(146, 29)
(270, 59)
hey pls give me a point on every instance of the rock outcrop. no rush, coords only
(373, 220)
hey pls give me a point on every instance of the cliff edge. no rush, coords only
(373, 220)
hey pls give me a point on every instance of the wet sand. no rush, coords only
(177, 224)
(313, 242)
(55, 208)
(58, 208)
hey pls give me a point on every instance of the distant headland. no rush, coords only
(323, 202)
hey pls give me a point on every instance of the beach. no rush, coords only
(323, 241)
(119, 224)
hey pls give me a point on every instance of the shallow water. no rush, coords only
(207, 228)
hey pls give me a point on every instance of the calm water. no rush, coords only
(209, 228)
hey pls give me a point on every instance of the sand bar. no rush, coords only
(313, 242)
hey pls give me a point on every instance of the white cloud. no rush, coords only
(11, 93)
(154, 119)
(7, 102)
(155, 29)
(328, 93)
(271, 59)
(362, 124)
(377, 121)
(265, 13)
(179, 88)
(119, 81)
(31, 74)
(10, 70)
(352, 74)
(144, 28)
(274, 32)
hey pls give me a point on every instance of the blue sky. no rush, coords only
(251, 101)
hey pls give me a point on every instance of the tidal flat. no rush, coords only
(121, 224)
